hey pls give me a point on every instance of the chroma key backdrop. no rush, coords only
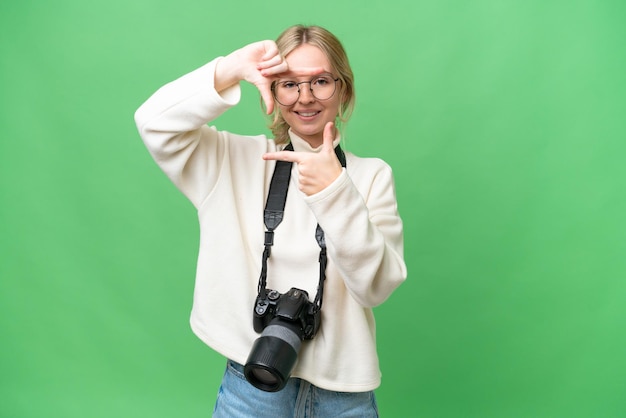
(504, 122)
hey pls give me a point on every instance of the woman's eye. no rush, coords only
(289, 84)
(322, 81)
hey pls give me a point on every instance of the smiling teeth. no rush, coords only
(308, 114)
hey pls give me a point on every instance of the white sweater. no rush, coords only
(226, 179)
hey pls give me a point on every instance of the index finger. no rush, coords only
(290, 156)
(271, 49)
(303, 71)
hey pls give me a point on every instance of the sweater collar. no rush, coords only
(300, 145)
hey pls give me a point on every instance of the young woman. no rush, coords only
(307, 85)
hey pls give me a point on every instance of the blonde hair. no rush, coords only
(328, 43)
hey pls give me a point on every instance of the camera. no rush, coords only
(284, 321)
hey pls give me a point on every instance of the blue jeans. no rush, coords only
(299, 399)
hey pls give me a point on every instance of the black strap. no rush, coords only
(273, 216)
(277, 196)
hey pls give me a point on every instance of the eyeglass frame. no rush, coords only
(310, 88)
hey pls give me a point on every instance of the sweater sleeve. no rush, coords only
(173, 125)
(363, 230)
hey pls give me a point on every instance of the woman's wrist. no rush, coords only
(226, 73)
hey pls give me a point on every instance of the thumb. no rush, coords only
(268, 98)
(329, 135)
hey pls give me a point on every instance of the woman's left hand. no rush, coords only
(316, 170)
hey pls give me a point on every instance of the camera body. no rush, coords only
(284, 321)
(292, 307)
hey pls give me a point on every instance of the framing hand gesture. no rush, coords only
(316, 171)
(258, 63)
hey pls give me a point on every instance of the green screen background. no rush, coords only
(503, 121)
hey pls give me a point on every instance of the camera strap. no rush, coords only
(273, 216)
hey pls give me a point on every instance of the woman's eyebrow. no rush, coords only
(301, 79)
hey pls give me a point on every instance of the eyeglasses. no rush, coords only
(287, 92)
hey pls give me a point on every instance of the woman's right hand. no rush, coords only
(258, 63)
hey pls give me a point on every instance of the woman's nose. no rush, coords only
(306, 94)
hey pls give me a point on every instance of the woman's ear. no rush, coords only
(345, 97)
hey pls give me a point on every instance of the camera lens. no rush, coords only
(273, 356)
(265, 376)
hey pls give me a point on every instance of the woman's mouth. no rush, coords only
(308, 114)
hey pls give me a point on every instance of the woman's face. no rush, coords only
(308, 115)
